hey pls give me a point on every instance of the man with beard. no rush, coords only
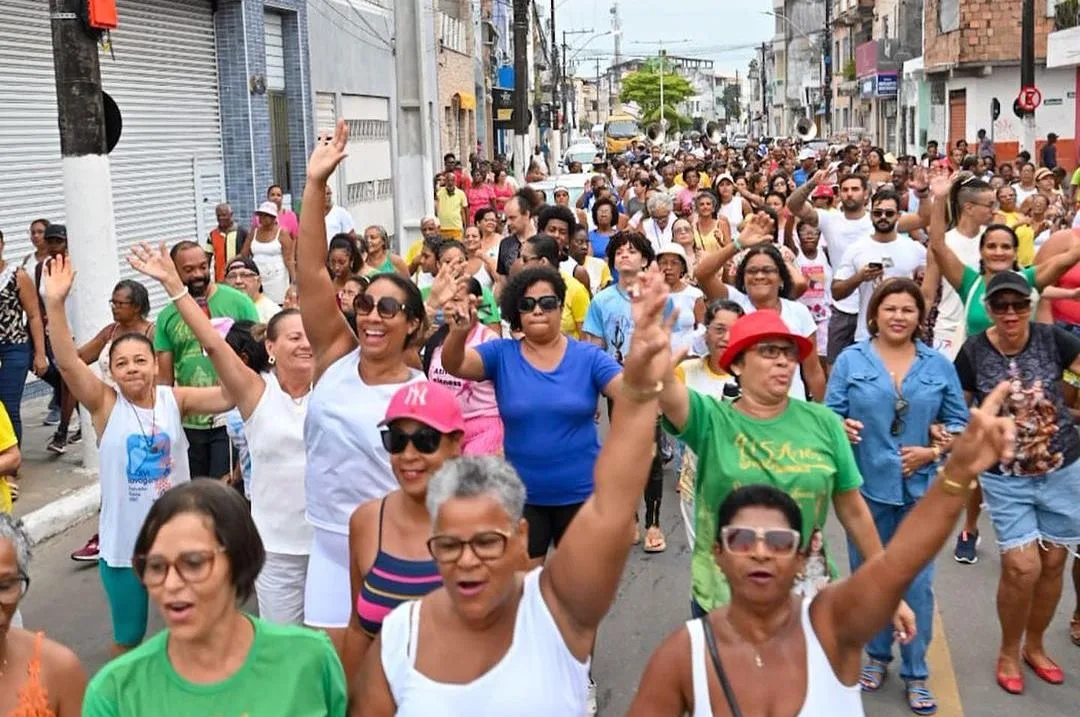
(182, 361)
(519, 227)
(840, 230)
(876, 258)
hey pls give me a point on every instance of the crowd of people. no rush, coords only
(398, 457)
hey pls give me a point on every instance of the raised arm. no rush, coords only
(89, 390)
(240, 382)
(1048, 272)
(920, 220)
(853, 610)
(324, 323)
(457, 358)
(580, 581)
(796, 203)
(947, 262)
(709, 271)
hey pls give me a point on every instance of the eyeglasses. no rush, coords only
(486, 545)
(774, 351)
(241, 275)
(13, 589)
(1002, 306)
(388, 307)
(984, 205)
(117, 304)
(425, 439)
(193, 566)
(883, 213)
(546, 304)
(900, 409)
(741, 540)
(762, 271)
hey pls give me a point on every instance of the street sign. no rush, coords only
(502, 107)
(995, 108)
(1029, 98)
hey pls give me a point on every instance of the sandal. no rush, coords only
(873, 675)
(13, 489)
(1074, 629)
(919, 698)
(654, 540)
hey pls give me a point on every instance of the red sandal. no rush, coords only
(1012, 685)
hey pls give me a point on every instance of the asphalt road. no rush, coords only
(67, 601)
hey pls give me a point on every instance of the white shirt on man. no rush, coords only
(838, 233)
(338, 221)
(899, 257)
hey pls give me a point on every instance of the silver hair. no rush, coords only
(657, 200)
(223, 205)
(11, 528)
(472, 476)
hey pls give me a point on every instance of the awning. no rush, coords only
(466, 100)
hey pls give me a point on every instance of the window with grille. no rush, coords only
(368, 130)
(948, 15)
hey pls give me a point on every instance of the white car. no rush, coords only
(740, 141)
(575, 183)
(584, 152)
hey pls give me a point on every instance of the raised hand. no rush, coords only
(821, 177)
(59, 275)
(919, 179)
(445, 287)
(650, 358)
(328, 153)
(758, 230)
(988, 439)
(941, 183)
(154, 263)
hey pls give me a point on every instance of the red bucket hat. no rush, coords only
(753, 328)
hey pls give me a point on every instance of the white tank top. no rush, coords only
(346, 462)
(826, 696)
(272, 271)
(537, 677)
(733, 210)
(275, 439)
(144, 452)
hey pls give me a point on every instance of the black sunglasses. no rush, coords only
(887, 213)
(546, 304)
(900, 409)
(388, 307)
(1002, 306)
(426, 439)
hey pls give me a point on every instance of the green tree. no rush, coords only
(643, 87)
(732, 104)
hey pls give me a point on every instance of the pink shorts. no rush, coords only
(483, 437)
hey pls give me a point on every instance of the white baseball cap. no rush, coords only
(268, 208)
(806, 154)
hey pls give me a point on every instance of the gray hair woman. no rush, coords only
(657, 228)
(552, 613)
(40, 678)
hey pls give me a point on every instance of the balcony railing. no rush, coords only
(1067, 15)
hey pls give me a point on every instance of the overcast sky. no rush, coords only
(721, 30)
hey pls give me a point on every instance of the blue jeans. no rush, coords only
(919, 597)
(14, 366)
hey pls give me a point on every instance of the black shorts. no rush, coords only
(208, 452)
(547, 523)
(841, 333)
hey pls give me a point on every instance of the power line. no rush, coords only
(368, 25)
(328, 4)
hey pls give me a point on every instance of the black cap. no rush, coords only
(247, 262)
(56, 232)
(1007, 281)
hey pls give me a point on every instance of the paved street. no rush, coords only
(66, 599)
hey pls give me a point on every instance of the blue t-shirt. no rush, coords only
(609, 318)
(599, 243)
(551, 438)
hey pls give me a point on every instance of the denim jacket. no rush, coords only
(860, 388)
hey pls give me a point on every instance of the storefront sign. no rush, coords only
(887, 85)
(866, 87)
(502, 107)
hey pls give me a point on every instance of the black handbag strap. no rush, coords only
(710, 643)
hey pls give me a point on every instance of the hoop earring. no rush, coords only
(272, 360)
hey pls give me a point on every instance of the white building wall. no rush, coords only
(1004, 83)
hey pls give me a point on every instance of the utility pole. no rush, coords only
(565, 57)
(1027, 72)
(521, 89)
(663, 57)
(827, 69)
(597, 91)
(88, 205)
(764, 100)
(555, 143)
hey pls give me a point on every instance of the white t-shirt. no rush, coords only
(819, 275)
(338, 221)
(951, 317)
(798, 319)
(682, 334)
(658, 237)
(1023, 194)
(899, 257)
(838, 233)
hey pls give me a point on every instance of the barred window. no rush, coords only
(374, 190)
(368, 130)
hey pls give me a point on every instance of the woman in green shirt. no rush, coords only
(198, 553)
(998, 247)
(765, 437)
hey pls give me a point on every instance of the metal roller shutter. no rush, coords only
(168, 96)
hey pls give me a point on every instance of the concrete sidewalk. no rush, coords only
(55, 492)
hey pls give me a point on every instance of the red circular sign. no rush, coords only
(1029, 98)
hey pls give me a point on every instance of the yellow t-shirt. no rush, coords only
(705, 183)
(414, 251)
(449, 209)
(7, 440)
(575, 306)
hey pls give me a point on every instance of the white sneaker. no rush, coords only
(590, 700)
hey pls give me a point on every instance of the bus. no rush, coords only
(620, 133)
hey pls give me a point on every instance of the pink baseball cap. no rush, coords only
(822, 191)
(429, 403)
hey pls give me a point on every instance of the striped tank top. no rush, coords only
(390, 582)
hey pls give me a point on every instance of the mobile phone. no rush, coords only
(876, 265)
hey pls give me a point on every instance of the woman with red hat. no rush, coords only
(389, 562)
(765, 437)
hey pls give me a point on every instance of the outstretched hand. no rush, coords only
(988, 439)
(155, 263)
(650, 358)
(328, 153)
(758, 230)
(941, 183)
(59, 275)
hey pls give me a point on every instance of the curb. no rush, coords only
(62, 513)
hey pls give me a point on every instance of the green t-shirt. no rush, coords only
(289, 672)
(487, 312)
(803, 452)
(191, 366)
(972, 291)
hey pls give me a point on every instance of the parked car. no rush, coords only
(584, 152)
(575, 183)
